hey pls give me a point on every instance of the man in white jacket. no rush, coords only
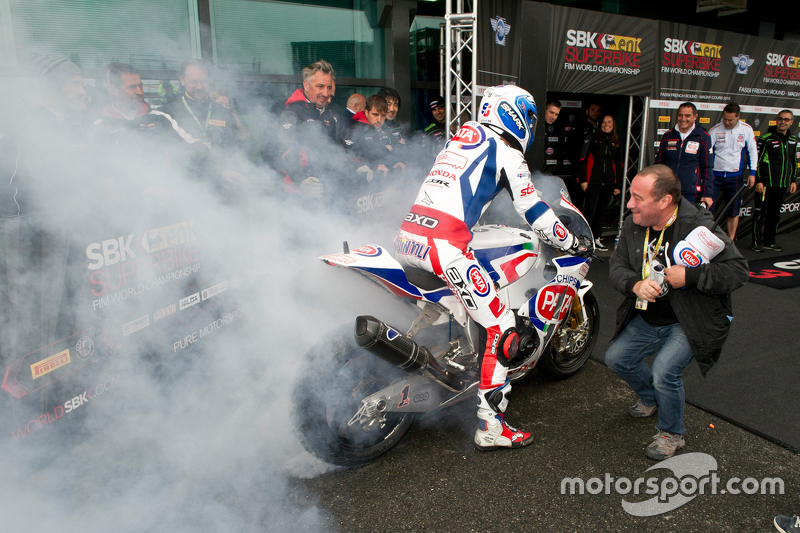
(734, 144)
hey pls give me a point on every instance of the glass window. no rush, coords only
(281, 38)
(149, 34)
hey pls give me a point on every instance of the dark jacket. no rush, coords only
(557, 150)
(368, 145)
(704, 305)
(601, 160)
(303, 150)
(777, 158)
(691, 160)
(212, 123)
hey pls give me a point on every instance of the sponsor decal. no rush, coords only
(427, 200)
(452, 159)
(205, 294)
(439, 173)
(549, 151)
(742, 62)
(406, 246)
(84, 348)
(705, 120)
(333, 258)
(740, 138)
(45, 366)
(135, 325)
(421, 220)
(501, 29)
(469, 137)
(421, 397)
(584, 269)
(602, 52)
(166, 311)
(547, 298)
(511, 120)
(486, 109)
(216, 122)
(662, 118)
(458, 286)
(436, 183)
(391, 334)
(692, 147)
(368, 251)
(529, 189)
(189, 301)
(689, 257)
(691, 58)
(475, 276)
(494, 343)
(560, 231)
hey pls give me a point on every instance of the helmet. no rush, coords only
(511, 112)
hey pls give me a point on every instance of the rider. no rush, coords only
(480, 161)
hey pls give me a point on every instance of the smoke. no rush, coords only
(178, 419)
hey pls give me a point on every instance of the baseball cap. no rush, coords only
(437, 102)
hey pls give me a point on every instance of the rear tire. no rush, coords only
(569, 349)
(339, 374)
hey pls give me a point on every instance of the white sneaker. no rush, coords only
(598, 245)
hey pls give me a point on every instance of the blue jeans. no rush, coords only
(663, 385)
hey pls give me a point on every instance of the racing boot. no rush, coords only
(493, 431)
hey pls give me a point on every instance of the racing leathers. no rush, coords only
(778, 156)
(474, 167)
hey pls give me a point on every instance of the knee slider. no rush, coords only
(508, 346)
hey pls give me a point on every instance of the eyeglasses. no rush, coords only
(784, 119)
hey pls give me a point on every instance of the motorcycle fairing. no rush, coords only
(375, 263)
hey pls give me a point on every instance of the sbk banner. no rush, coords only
(708, 65)
(779, 273)
(601, 53)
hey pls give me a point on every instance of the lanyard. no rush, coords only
(189, 109)
(647, 257)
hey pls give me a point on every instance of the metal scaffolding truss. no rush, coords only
(635, 145)
(460, 62)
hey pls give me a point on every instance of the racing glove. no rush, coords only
(582, 246)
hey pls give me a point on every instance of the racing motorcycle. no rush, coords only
(378, 377)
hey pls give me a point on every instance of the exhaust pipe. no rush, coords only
(398, 350)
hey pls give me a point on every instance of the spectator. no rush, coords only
(224, 99)
(60, 85)
(370, 143)
(731, 140)
(676, 325)
(197, 115)
(307, 123)
(356, 102)
(577, 136)
(167, 91)
(787, 524)
(556, 150)
(687, 150)
(778, 153)
(392, 124)
(600, 174)
(436, 132)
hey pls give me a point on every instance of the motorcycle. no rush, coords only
(377, 379)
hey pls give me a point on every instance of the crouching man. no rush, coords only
(677, 276)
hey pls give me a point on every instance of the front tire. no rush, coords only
(338, 375)
(570, 347)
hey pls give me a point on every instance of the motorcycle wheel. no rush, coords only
(339, 374)
(570, 348)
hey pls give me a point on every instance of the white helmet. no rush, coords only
(511, 112)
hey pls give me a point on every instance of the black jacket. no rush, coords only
(369, 145)
(557, 150)
(212, 123)
(777, 158)
(704, 305)
(601, 160)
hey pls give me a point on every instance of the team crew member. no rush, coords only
(436, 132)
(557, 150)
(369, 142)
(679, 325)
(600, 174)
(197, 115)
(734, 144)
(687, 150)
(476, 165)
(778, 155)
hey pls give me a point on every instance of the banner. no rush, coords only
(601, 53)
(498, 42)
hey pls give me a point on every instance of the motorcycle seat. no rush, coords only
(423, 279)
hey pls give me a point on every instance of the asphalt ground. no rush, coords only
(433, 480)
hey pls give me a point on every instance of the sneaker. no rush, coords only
(774, 247)
(664, 445)
(787, 524)
(598, 245)
(757, 249)
(641, 410)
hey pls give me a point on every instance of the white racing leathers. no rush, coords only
(475, 166)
